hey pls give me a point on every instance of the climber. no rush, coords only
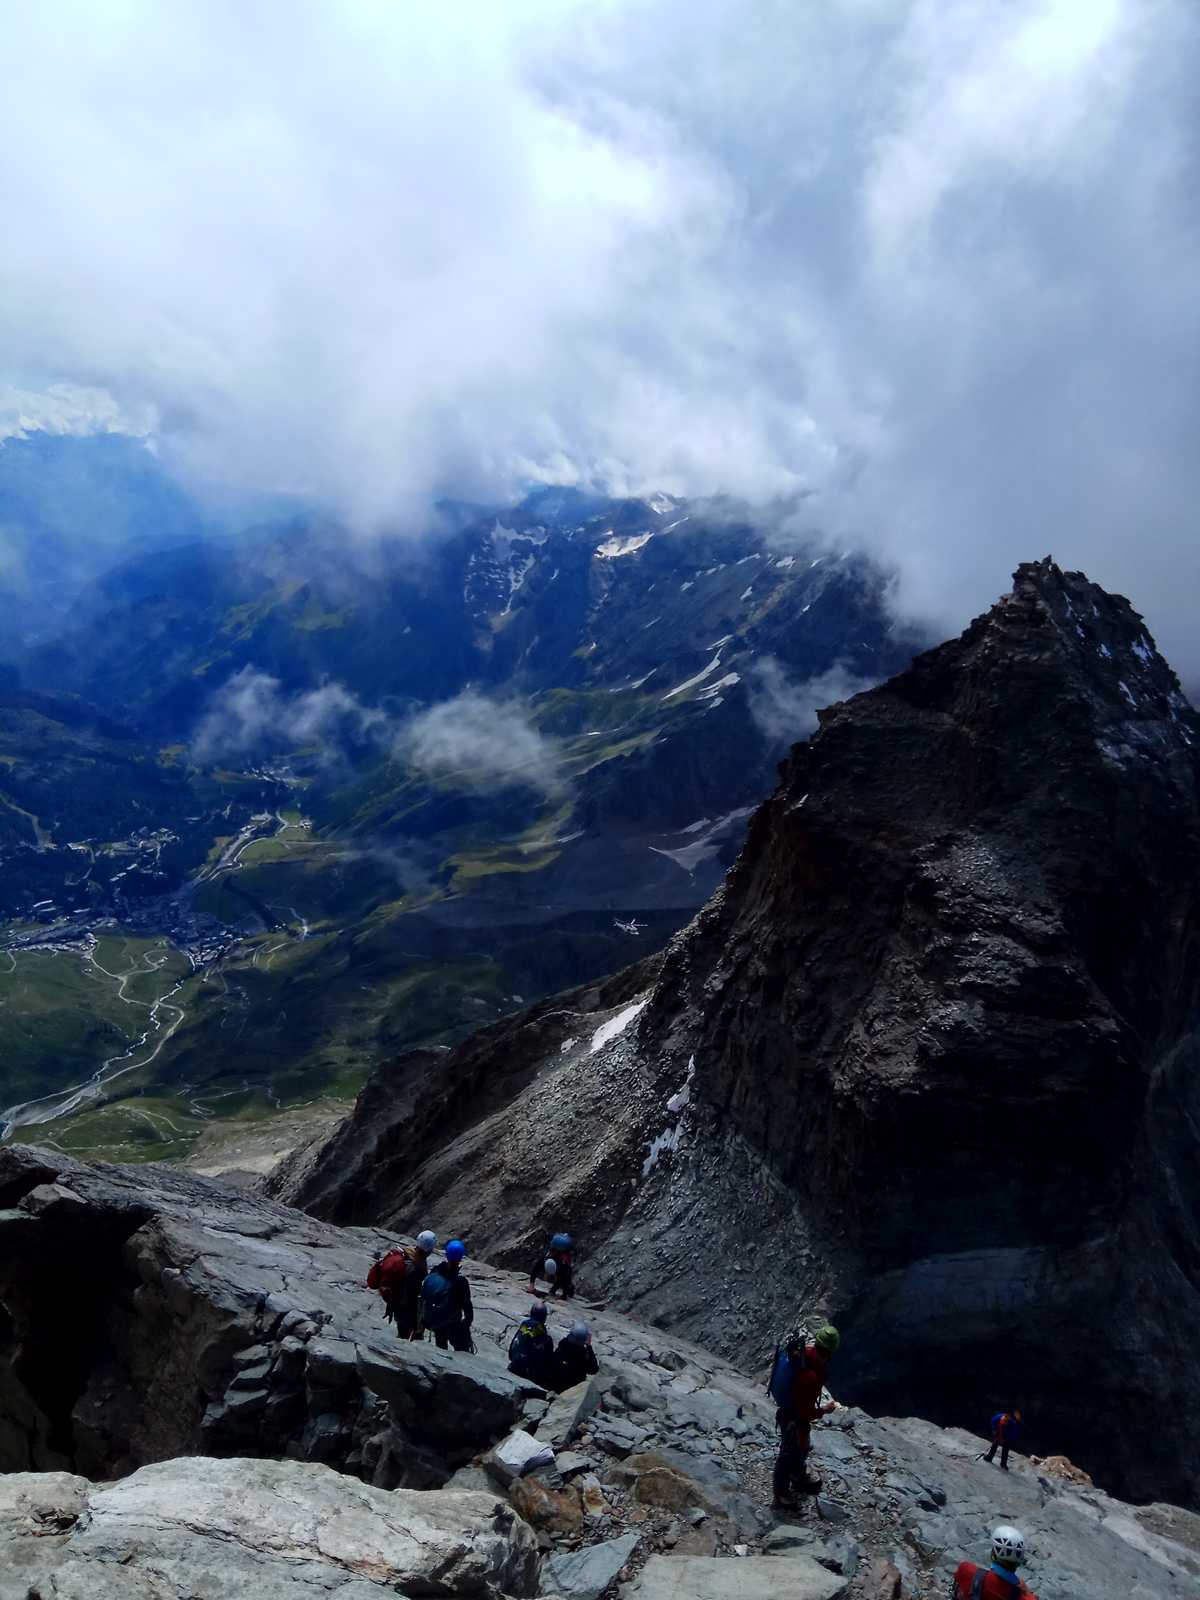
(531, 1353)
(398, 1275)
(446, 1308)
(1006, 1425)
(574, 1359)
(999, 1581)
(796, 1386)
(557, 1265)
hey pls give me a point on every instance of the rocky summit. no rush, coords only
(200, 1398)
(927, 1063)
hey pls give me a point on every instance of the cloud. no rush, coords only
(787, 711)
(470, 740)
(481, 743)
(931, 264)
(252, 715)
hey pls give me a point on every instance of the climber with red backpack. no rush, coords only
(1000, 1580)
(796, 1381)
(398, 1275)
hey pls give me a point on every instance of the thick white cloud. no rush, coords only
(932, 263)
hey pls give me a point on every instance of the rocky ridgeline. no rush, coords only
(217, 1355)
(926, 1064)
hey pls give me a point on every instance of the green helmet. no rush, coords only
(827, 1340)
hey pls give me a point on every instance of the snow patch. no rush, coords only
(727, 682)
(1105, 652)
(682, 1097)
(612, 548)
(566, 1045)
(691, 683)
(684, 587)
(746, 593)
(1143, 651)
(615, 1026)
(677, 524)
(785, 562)
(720, 644)
(1127, 692)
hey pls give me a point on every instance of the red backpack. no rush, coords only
(389, 1272)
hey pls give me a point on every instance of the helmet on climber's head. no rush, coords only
(561, 1241)
(538, 1311)
(427, 1240)
(1008, 1546)
(827, 1340)
(455, 1250)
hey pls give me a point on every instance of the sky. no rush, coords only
(926, 268)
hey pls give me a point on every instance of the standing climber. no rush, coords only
(1006, 1426)
(531, 1353)
(574, 1360)
(557, 1265)
(1000, 1580)
(796, 1383)
(446, 1308)
(398, 1275)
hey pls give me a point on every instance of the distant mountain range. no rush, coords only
(374, 793)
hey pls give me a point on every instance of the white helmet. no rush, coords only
(550, 1268)
(427, 1240)
(1008, 1545)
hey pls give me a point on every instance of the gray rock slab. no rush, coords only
(750, 1578)
(585, 1574)
(199, 1529)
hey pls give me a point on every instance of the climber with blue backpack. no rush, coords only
(446, 1309)
(556, 1265)
(796, 1381)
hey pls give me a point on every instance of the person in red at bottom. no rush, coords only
(999, 1581)
(796, 1418)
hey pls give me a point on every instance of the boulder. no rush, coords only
(556, 1510)
(751, 1578)
(201, 1529)
(567, 1411)
(585, 1574)
(517, 1453)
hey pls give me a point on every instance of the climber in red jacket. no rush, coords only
(796, 1417)
(1000, 1580)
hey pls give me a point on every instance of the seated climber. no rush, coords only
(799, 1402)
(1000, 1580)
(574, 1360)
(1006, 1425)
(531, 1353)
(556, 1265)
(398, 1276)
(446, 1308)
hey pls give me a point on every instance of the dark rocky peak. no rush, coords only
(927, 1062)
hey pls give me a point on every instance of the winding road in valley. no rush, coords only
(164, 1015)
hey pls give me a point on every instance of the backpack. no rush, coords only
(437, 1301)
(783, 1369)
(523, 1356)
(389, 1272)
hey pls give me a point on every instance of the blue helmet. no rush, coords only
(561, 1241)
(455, 1250)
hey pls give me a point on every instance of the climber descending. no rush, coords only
(398, 1275)
(1006, 1425)
(531, 1353)
(446, 1308)
(574, 1360)
(1000, 1580)
(556, 1265)
(797, 1378)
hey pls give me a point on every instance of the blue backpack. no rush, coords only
(783, 1369)
(437, 1301)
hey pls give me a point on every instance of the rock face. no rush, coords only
(277, 1530)
(927, 1063)
(148, 1313)
(664, 1457)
